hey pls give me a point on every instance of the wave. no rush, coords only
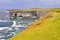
(5, 23)
(4, 20)
(19, 25)
(3, 28)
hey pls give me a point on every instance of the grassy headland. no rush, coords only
(46, 28)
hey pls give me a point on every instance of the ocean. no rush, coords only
(10, 27)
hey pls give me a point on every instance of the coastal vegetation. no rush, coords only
(45, 28)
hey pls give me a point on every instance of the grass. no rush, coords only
(46, 28)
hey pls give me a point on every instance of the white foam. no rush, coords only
(18, 26)
(7, 11)
(3, 28)
(3, 20)
(2, 39)
(15, 25)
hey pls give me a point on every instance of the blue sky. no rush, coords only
(19, 4)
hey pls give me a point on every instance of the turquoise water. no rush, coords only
(6, 28)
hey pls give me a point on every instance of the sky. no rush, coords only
(21, 4)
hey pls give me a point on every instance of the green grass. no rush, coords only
(48, 30)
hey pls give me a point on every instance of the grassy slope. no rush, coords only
(46, 28)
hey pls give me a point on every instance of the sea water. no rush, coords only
(6, 28)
